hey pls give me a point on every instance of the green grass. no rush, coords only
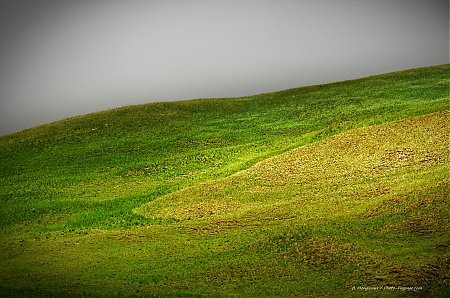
(303, 192)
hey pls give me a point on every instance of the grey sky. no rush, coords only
(64, 58)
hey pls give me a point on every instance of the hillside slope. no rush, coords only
(94, 169)
(372, 199)
(301, 192)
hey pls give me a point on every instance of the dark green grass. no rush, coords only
(73, 195)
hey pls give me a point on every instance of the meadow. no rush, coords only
(338, 189)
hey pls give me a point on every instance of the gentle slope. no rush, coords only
(303, 192)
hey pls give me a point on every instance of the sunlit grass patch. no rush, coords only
(312, 251)
(328, 179)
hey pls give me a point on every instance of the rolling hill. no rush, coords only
(339, 188)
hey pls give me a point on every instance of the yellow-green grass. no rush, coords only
(273, 195)
(374, 200)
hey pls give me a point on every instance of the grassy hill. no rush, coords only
(305, 192)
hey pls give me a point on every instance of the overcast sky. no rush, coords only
(63, 58)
